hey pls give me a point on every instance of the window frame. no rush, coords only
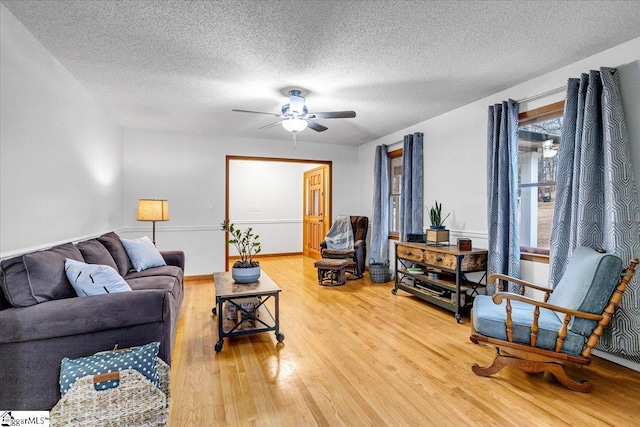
(394, 154)
(549, 111)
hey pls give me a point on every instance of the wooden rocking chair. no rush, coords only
(537, 336)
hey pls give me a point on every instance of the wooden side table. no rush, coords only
(437, 274)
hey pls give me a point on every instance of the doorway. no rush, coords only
(316, 220)
(277, 206)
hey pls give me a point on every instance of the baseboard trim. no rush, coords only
(237, 257)
(210, 276)
(617, 360)
(198, 277)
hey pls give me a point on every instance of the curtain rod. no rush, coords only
(543, 94)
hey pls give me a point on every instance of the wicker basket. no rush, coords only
(379, 271)
(134, 402)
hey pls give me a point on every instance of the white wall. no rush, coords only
(455, 146)
(189, 171)
(60, 153)
(267, 196)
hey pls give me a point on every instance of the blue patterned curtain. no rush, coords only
(380, 225)
(412, 196)
(596, 197)
(502, 191)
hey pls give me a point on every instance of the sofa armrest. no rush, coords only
(175, 258)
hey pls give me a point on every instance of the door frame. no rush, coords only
(326, 220)
(230, 158)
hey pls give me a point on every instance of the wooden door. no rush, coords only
(316, 220)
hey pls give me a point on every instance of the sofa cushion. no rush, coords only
(112, 242)
(38, 276)
(142, 359)
(77, 316)
(13, 278)
(142, 253)
(94, 279)
(167, 270)
(46, 272)
(164, 283)
(94, 252)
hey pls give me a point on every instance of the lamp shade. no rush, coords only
(294, 125)
(153, 210)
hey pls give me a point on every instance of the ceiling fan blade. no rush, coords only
(271, 124)
(257, 112)
(316, 126)
(332, 115)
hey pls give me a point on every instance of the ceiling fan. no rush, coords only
(295, 116)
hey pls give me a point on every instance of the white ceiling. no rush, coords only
(183, 65)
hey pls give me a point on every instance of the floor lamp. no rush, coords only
(153, 210)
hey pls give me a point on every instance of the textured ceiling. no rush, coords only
(183, 65)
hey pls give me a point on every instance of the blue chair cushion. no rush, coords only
(587, 285)
(489, 319)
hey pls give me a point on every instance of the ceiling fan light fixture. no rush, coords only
(294, 125)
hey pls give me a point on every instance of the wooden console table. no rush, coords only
(437, 274)
(251, 319)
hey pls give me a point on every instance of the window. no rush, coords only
(395, 191)
(538, 143)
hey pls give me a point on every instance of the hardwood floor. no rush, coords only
(356, 355)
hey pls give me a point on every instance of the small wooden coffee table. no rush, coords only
(245, 311)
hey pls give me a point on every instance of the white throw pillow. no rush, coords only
(94, 279)
(142, 253)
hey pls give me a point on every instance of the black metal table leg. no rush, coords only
(220, 319)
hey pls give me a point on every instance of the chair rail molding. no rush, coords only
(48, 245)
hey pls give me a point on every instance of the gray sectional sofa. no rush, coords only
(42, 320)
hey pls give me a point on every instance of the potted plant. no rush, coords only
(246, 270)
(437, 222)
(437, 233)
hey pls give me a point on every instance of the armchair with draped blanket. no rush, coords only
(356, 255)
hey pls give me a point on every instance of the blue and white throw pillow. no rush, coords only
(142, 359)
(142, 253)
(94, 279)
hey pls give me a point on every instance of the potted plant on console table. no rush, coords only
(246, 270)
(437, 234)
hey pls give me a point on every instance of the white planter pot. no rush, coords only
(245, 275)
